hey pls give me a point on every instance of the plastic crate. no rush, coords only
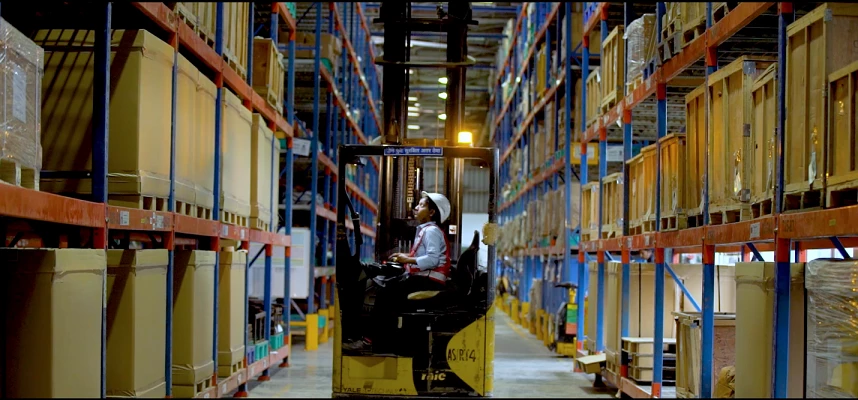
(276, 341)
(261, 349)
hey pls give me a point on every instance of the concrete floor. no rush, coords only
(524, 368)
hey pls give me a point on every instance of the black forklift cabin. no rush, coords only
(436, 343)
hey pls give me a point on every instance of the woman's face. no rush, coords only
(422, 212)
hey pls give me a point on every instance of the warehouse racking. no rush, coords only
(739, 29)
(68, 221)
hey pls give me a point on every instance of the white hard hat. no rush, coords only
(441, 201)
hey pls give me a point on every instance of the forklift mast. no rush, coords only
(402, 177)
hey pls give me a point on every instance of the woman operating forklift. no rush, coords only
(427, 267)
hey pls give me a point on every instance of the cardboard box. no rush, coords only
(53, 302)
(264, 174)
(205, 135)
(186, 126)
(725, 287)
(755, 297)
(231, 304)
(235, 142)
(331, 47)
(136, 322)
(140, 112)
(193, 316)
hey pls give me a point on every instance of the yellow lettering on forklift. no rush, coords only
(461, 355)
(433, 376)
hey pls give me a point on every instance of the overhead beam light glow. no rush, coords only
(411, 98)
(443, 95)
(442, 117)
(413, 127)
(442, 80)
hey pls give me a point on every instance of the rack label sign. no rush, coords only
(413, 151)
(301, 147)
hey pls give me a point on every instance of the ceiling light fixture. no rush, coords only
(413, 109)
(413, 127)
(413, 114)
(442, 80)
(443, 95)
(411, 98)
(442, 117)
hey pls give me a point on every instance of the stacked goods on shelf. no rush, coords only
(688, 325)
(641, 47)
(755, 299)
(268, 72)
(638, 356)
(594, 96)
(673, 182)
(503, 49)
(552, 134)
(592, 296)
(695, 149)
(330, 48)
(291, 8)
(52, 301)
(762, 160)
(842, 175)
(236, 129)
(265, 159)
(641, 311)
(830, 329)
(204, 154)
(140, 109)
(231, 303)
(186, 124)
(730, 110)
(612, 68)
(590, 211)
(612, 205)
(578, 20)
(546, 211)
(815, 50)
(22, 69)
(235, 30)
(642, 169)
(730, 116)
(200, 17)
(136, 317)
(692, 20)
(671, 30)
(193, 321)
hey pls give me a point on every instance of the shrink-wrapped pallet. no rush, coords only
(21, 69)
(640, 44)
(832, 340)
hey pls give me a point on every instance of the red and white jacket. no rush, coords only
(439, 273)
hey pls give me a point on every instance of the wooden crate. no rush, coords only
(646, 188)
(590, 211)
(673, 185)
(842, 173)
(186, 126)
(592, 304)
(688, 326)
(612, 204)
(815, 49)
(236, 149)
(635, 167)
(265, 159)
(235, 29)
(613, 69)
(594, 96)
(140, 114)
(692, 277)
(204, 152)
(692, 20)
(613, 307)
(762, 173)
(695, 150)
(730, 118)
(268, 72)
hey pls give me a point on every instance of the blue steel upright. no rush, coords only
(314, 151)
(585, 72)
(168, 348)
(219, 45)
(100, 140)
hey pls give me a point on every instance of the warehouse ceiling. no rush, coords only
(425, 106)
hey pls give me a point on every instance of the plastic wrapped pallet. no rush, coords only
(832, 340)
(21, 68)
(641, 44)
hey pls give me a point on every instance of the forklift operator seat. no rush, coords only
(460, 284)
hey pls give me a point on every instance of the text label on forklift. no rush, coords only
(413, 151)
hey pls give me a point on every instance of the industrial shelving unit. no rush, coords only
(72, 218)
(782, 233)
(347, 114)
(512, 130)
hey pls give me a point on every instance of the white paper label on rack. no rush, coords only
(301, 147)
(614, 154)
(265, 363)
(646, 240)
(629, 242)
(223, 388)
(630, 98)
(124, 218)
(755, 230)
(205, 396)
(224, 231)
(159, 222)
(252, 370)
(240, 378)
(601, 245)
(19, 93)
(648, 83)
(243, 231)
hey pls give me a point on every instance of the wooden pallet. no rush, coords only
(720, 10)
(694, 220)
(762, 208)
(234, 219)
(637, 82)
(674, 222)
(270, 97)
(14, 174)
(729, 214)
(671, 28)
(190, 391)
(226, 371)
(610, 232)
(142, 202)
(642, 346)
(842, 195)
(609, 101)
(669, 47)
(693, 30)
(803, 201)
(233, 62)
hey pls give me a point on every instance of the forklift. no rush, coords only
(438, 343)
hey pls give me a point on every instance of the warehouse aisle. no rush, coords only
(524, 368)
